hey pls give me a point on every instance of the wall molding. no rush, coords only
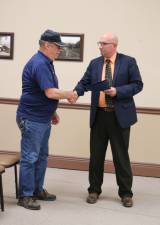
(80, 106)
(78, 163)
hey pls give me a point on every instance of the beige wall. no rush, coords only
(136, 22)
(71, 136)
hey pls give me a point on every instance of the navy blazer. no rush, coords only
(127, 81)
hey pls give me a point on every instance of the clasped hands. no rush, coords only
(72, 97)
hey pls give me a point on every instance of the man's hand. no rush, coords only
(111, 92)
(73, 98)
(55, 119)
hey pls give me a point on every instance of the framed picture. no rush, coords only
(6, 45)
(73, 51)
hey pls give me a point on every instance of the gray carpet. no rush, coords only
(70, 207)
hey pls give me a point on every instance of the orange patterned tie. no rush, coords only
(108, 76)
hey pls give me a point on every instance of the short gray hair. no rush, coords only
(41, 43)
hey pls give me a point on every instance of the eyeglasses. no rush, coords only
(104, 43)
(54, 44)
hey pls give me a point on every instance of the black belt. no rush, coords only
(106, 109)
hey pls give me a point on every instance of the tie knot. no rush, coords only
(108, 61)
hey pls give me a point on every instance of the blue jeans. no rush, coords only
(34, 154)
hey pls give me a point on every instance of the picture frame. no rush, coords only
(6, 45)
(73, 51)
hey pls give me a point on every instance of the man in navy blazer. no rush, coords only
(111, 123)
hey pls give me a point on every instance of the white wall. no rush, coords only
(136, 22)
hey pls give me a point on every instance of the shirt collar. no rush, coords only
(113, 58)
(47, 59)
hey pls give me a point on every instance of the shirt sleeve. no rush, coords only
(44, 77)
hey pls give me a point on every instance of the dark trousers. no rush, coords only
(107, 129)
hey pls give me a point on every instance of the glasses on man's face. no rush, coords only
(54, 44)
(101, 43)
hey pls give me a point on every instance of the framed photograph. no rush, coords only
(6, 45)
(73, 51)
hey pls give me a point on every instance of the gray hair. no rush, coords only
(41, 43)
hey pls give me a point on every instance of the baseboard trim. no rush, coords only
(77, 163)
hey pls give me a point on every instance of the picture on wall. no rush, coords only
(6, 45)
(73, 51)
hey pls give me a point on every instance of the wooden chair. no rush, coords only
(2, 169)
(8, 160)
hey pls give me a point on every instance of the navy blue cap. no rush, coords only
(52, 36)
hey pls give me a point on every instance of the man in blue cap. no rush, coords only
(35, 113)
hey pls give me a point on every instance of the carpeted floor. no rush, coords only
(70, 208)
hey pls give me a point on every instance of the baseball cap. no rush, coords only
(52, 36)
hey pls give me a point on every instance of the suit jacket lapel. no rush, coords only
(116, 68)
(100, 67)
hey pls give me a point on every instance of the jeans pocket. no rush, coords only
(21, 124)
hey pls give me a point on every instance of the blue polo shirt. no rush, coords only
(38, 75)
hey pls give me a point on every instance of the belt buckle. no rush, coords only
(106, 109)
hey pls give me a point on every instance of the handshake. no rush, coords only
(72, 97)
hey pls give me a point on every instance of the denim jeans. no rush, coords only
(34, 154)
